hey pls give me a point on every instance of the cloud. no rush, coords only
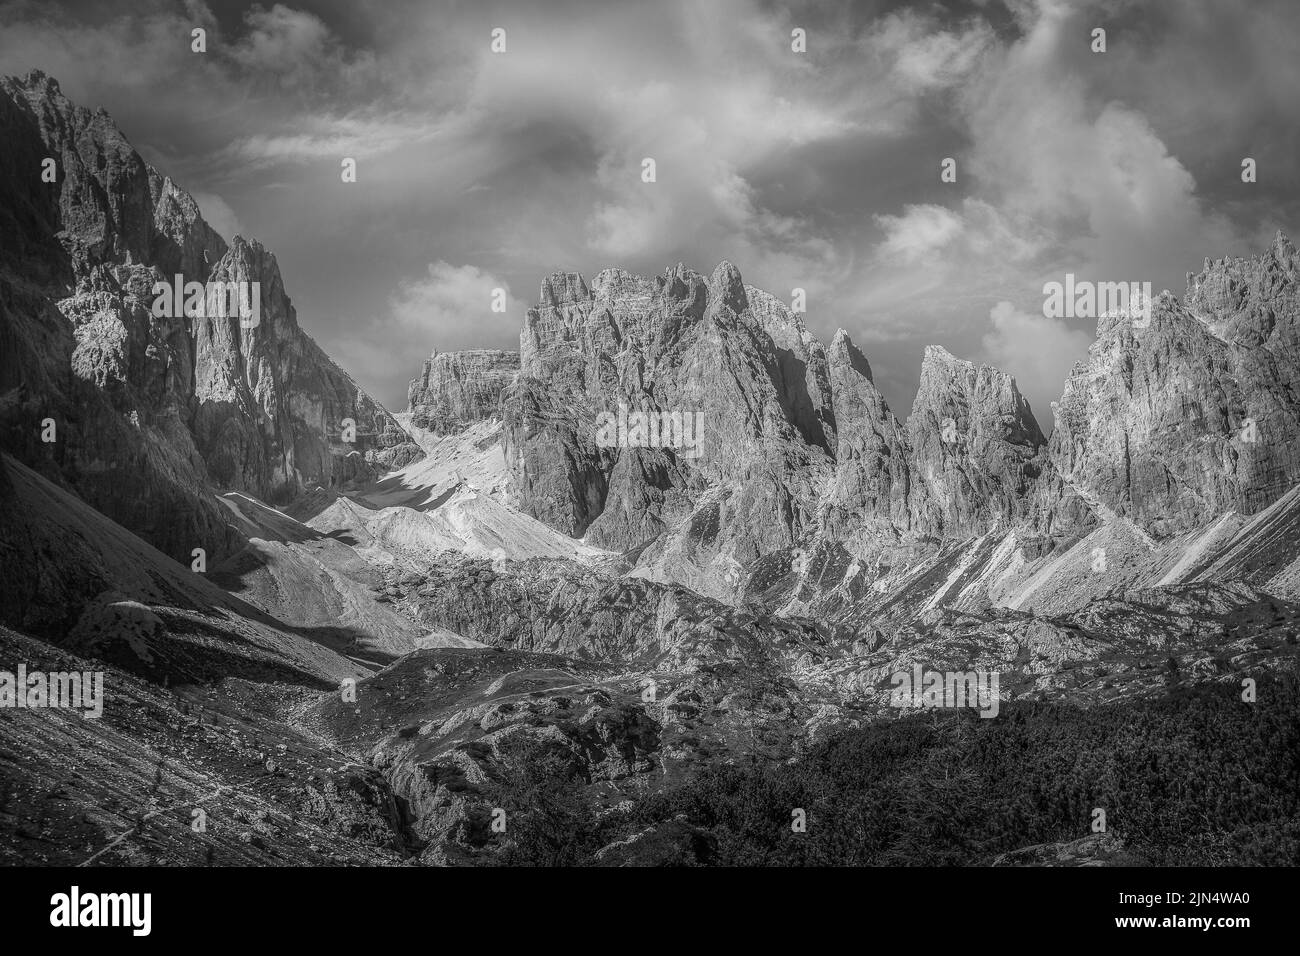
(449, 298)
(297, 51)
(923, 56)
(817, 170)
(281, 40)
(218, 214)
(1038, 351)
(936, 266)
(1046, 147)
(710, 98)
(313, 138)
(1053, 176)
(919, 232)
(448, 307)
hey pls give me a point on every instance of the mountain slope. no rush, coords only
(147, 412)
(75, 577)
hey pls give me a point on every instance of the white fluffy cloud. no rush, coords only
(919, 232)
(1053, 176)
(711, 95)
(1094, 173)
(448, 300)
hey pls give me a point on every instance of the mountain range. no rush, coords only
(341, 632)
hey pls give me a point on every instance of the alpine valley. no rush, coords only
(474, 632)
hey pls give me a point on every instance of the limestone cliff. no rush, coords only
(142, 414)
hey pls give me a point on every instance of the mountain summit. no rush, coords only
(1175, 420)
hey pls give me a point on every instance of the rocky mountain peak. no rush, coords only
(156, 410)
(1190, 412)
(792, 428)
(1160, 425)
(727, 288)
(843, 353)
(980, 393)
(563, 288)
(937, 355)
(456, 389)
(867, 504)
(974, 440)
(1282, 249)
(1250, 300)
(38, 85)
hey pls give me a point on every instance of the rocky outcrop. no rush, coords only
(457, 389)
(798, 444)
(1181, 416)
(974, 447)
(1096, 849)
(744, 386)
(868, 501)
(556, 608)
(1173, 421)
(274, 414)
(140, 412)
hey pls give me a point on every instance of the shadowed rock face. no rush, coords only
(149, 410)
(457, 389)
(1193, 413)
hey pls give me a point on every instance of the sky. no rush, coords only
(818, 170)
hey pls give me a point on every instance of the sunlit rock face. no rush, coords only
(1193, 410)
(457, 389)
